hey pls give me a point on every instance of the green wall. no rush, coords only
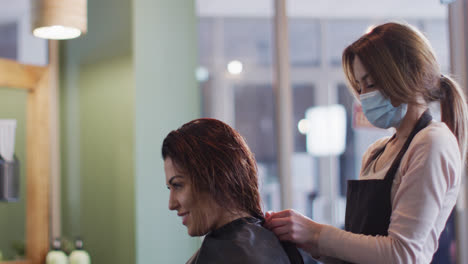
(165, 45)
(97, 99)
(123, 86)
(12, 215)
(102, 198)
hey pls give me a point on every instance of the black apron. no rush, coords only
(368, 202)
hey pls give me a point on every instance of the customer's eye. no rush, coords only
(177, 185)
(370, 86)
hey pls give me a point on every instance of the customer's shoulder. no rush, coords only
(242, 241)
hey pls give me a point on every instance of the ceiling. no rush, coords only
(13, 10)
(326, 8)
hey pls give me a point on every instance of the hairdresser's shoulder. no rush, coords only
(437, 136)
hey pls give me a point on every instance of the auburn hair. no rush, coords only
(402, 64)
(218, 162)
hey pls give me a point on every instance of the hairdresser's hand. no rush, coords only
(289, 225)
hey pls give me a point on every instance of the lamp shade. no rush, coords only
(59, 19)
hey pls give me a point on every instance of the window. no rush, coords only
(318, 34)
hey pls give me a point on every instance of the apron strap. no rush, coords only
(423, 122)
(377, 152)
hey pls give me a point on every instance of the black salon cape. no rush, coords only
(244, 241)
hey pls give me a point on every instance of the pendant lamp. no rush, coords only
(59, 19)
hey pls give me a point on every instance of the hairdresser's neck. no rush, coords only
(412, 116)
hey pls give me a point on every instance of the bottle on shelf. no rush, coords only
(79, 255)
(56, 255)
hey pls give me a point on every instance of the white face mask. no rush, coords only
(380, 112)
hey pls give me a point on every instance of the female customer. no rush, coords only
(408, 182)
(212, 178)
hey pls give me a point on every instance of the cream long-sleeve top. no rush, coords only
(424, 192)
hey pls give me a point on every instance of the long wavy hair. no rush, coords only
(402, 63)
(218, 162)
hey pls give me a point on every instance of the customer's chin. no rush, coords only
(196, 233)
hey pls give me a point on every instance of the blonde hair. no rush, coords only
(402, 63)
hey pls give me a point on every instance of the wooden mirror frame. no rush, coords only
(41, 84)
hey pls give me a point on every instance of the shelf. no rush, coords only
(16, 262)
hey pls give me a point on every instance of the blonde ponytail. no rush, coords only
(454, 111)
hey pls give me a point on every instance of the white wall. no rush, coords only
(167, 96)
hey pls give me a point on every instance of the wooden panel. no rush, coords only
(16, 262)
(17, 75)
(42, 114)
(38, 171)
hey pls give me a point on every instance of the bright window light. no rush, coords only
(202, 74)
(56, 32)
(303, 126)
(235, 67)
(326, 133)
(369, 29)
